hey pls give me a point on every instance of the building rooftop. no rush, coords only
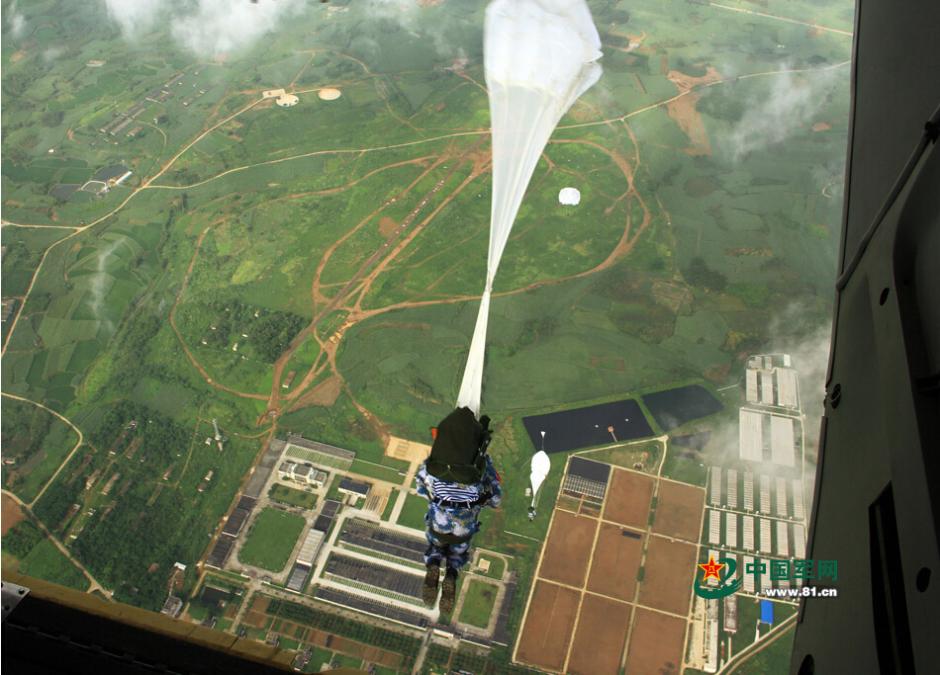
(585, 468)
(355, 486)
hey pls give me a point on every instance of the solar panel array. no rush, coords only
(714, 527)
(362, 533)
(715, 480)
(220, 552)
(731, 530)
(798, 500)
(501, 633)
(765, 494)
(298, 577)
(732, 476)
(327, 513)
(783, 541)
(369, 606)
(748, 491)
(764, 535)
(748, 531)
(781, 501)
(375, 575)
(239, 515)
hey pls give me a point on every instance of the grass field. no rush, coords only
(292, 496)
(45, 561)
(271, 539)
(413, 512)
(251, 256)
(479, 599)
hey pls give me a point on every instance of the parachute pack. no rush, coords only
(458, 454)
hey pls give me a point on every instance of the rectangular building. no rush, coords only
(731, 530)
(747, 524)
(587, 478)
(799, 542)
(782, 440)
(748, 577)
(798, 512)
(310, 548)
(714, 527)
(766, 379)
(764, 546)
(732, 489)
(751, 435)
(787, 388)
(781, 497)
(748, 491)
(714, 476)
(750, 389)
(731, 613)
(765, 494)
(783, 540)
(712, 645)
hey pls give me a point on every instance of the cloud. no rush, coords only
(771, 117)
(16, 21)
(208, 28)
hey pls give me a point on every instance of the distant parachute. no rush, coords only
(569, 196)
(539, 57)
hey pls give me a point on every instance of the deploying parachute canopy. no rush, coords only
(539, 57)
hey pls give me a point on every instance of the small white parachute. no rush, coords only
(569, 196)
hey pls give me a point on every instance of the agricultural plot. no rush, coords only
(35, 444)
(271, 539)
(590, 570)
(356, 229)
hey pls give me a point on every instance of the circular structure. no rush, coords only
(569, 196)
(329, 94)
(286, 100)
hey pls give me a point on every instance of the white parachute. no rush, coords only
(569, 196)
(539, 57)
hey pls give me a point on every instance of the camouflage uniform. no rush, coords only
(450, 527)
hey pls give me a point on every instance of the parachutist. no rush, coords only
(458, 479)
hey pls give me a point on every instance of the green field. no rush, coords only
(271, 539)
(497, 566)
(292, 496)
(190, 294)
(413, 512)
(479, 599)
(36, 442)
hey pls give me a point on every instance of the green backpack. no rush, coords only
(459, 451)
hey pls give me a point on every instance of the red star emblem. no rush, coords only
(711, 569)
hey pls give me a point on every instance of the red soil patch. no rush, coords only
(568, 548)
(616, 562)
(599, 639)
(655, 643)
(11, 514)
(387, 227)
(822, 126)
(670, 569)
(628, 499)
(549, 622)
(679, 510)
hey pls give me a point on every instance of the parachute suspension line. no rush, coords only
(539, 57)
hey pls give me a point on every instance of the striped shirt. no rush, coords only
(461, 520)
